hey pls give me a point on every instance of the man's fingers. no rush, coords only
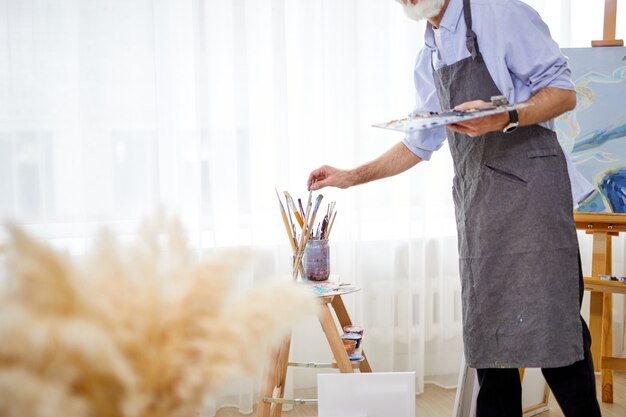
(458, 128)
(315, 186)
(314, 176)
(476, 104)
(318, 185)
(316, 180)
(325, 176)
(462, 129)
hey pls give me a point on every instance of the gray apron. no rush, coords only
(518, 249)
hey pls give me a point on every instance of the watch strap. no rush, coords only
(513, 122)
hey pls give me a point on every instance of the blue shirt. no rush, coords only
(518, 51)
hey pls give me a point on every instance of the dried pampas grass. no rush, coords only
(145, 330)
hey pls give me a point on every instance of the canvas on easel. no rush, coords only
(594, 133)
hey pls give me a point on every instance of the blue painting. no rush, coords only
(594, 134)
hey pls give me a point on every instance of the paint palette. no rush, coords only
(431, 120)
(331, 289)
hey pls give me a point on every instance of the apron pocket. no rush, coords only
(506, 174)
(541, 153)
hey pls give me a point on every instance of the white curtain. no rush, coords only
(111, 109)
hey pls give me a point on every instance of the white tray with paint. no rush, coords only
(431, 120)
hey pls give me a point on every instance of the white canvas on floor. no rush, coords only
(377, 394)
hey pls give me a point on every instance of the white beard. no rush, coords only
(424, 9)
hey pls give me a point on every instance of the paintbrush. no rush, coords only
(292, 205)
(297, 266)
(301, 208)
(305, 230)
(326, 220)
(323, 227)
(330, 226)
(293, 228)
(308, 225)
(286, 223)
(318, 201)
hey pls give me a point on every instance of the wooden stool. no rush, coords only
(271, 397)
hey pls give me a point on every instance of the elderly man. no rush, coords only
(513, 192)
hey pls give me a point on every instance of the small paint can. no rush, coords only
(356, 358)
(350, 346)
(353, 336)
(353, 329)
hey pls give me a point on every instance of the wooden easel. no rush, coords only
(603, 227)
(271, 397)
(610, 19)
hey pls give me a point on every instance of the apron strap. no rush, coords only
(470, 36)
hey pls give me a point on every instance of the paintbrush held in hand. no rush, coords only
(305, 217)
(144, 330)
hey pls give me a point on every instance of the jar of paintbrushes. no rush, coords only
(317, 260)
(309, 241)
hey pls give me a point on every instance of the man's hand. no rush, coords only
(547, 104)
(327, 176)
(482, 125)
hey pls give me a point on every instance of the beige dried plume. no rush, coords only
(140, 330)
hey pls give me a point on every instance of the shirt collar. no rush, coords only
(449, 21)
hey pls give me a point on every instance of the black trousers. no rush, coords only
(573, 386)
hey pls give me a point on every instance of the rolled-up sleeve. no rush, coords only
(424, 142)
(532, 55)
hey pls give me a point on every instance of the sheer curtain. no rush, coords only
(111, 109)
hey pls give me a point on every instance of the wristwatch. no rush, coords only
(513, 122)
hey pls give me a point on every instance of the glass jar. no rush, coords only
(317, 260)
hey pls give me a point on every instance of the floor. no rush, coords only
(439, 402)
